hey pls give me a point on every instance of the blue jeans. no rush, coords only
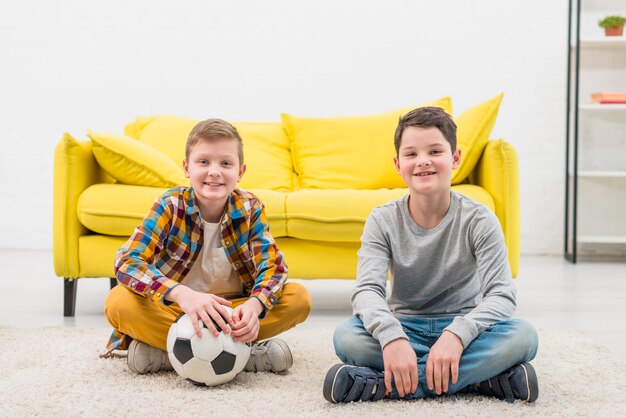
(503, 345)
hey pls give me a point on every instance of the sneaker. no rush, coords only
(518, 382)
(269, 356)
(344, 383)
(143, 358)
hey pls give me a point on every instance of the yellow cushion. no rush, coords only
(265, 147)
(339, 215)
(347, 152)
(267, 154)
(473, 129)
(167, 134)
(132, 162)
(116, 209)
(303, 258)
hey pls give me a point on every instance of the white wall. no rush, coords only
(77, 65)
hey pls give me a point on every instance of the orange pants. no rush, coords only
(150, 322)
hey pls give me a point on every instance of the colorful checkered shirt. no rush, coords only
(163, 248)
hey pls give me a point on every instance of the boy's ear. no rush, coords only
(186, 168)
(242, 169)
(396, 162)
(456, 159)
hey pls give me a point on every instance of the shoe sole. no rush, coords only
(329, 382)
(532, 385)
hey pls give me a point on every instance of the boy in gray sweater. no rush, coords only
(445, 325)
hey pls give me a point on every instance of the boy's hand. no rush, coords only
(203, 306)
(401, 363)
(246, 321)
(442, 365)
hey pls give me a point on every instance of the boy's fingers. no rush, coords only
(241, 331)
(387, 382)
(429, 375)
(437, 378)
(223, 301)
(206, 319)
(219, 320)
(196, 326)
(397, 377)
(236, 316)
(445, 377)
(407, 382)
(414, 380)
(225, 316)
(455, 373)
(248, 336)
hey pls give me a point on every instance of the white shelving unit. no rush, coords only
(595, 207)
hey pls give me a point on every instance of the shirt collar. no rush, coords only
(234, 205)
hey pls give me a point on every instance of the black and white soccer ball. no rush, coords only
(208, 360)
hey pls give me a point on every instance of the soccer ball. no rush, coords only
(208, 360)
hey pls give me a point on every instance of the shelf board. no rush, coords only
(603, 107)
(607, 42)
(602, 239)
(601, 173)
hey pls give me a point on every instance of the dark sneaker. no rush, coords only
(344, 383)
(518, 382)
(269, 356)
(143, 358)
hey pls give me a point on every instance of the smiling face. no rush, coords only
(214, 170)
(425, 160)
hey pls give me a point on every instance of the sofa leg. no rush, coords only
(69, 299)
(113, 282)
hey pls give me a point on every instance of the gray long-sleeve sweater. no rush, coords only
(459, 268)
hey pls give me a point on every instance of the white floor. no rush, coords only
(552, 293)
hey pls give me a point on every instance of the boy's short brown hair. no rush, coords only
(211, 129)
(427, 117)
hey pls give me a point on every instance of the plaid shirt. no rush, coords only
(161, 251)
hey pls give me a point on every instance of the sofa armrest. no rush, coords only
(497, 172)
(75, 169)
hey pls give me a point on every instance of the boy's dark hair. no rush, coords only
(211, 129)
(427, 117)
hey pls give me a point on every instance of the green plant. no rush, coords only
(612, 22)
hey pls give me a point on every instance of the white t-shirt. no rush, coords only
(212, 271)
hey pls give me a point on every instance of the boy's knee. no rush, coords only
(116, 304)
(522, 341)
(345, 337)
(354, 345)
(527, 337)
(299, 300)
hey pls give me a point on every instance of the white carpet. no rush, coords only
(57, 372)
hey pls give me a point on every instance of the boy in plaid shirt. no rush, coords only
(199, 249)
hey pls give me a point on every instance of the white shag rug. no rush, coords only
(56, 372)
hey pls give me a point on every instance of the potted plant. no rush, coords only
(613, 25)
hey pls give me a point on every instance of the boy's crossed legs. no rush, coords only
(148, 323)
(496, 351)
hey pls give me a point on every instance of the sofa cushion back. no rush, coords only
(266, 147)
(117, 209)
(339, 215)
(347, 152)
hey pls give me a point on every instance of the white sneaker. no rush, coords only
(269, 356)
(143, 358)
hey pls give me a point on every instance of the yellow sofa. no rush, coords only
(319, 178)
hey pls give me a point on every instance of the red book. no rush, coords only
(609, 97)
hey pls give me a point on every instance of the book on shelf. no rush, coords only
(609, 98)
